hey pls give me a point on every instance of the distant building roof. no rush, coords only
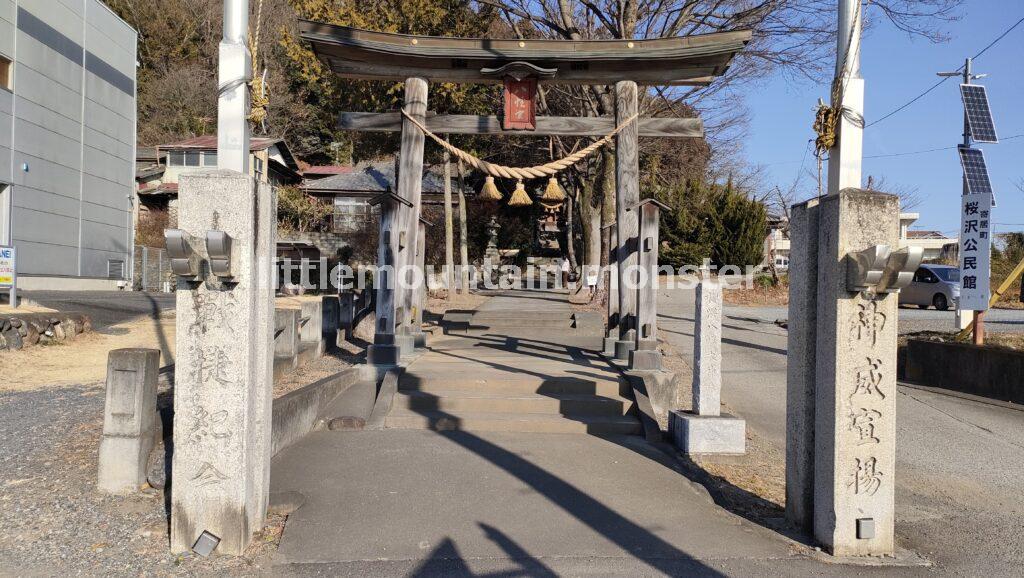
(326, 171)
(925, 235)
(209, 143)
(149, 155)
(161, 189)
(371, 179)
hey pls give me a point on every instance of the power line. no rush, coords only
(932, 150)
(941, 82)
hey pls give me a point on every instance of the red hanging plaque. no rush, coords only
(520, 104)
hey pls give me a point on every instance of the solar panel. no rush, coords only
(979, 115)
(973, 161)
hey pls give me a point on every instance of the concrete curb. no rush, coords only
(295, 413)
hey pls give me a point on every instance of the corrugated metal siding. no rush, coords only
(74, 127)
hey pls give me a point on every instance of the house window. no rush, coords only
(209, 159)
(350, 214)
(192, 158)
(257, 164)
(6, 79)
(176, 158)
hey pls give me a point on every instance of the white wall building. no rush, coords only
(67, 142)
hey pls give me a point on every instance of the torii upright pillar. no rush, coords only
(627, 182)
(410, 188)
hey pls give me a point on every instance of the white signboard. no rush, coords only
(975, 250)
(7, 276)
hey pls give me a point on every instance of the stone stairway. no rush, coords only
(527, 372)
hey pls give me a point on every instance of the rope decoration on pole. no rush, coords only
(520, 173)
(258, 89)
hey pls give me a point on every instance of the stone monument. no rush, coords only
(131, 424)
(224, 365)
(705, 429)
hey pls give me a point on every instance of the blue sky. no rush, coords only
(897, 68)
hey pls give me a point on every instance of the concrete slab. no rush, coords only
(502, 496)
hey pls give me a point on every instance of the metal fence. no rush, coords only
(152, 270)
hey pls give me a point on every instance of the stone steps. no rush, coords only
(515, 384)
(489, 401)
(515, 422)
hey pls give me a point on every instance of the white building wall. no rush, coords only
(71, 140)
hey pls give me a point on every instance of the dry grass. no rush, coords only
(757, 296)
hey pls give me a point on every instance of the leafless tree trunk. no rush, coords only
(463, 247)
(449, 233)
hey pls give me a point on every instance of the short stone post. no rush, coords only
(330, 309)
(613, 290)
(224, 365)
(286, 333)
(800, 369)
(705, 430)
(646, 357)
(384, 350)
(855, 379)
(131, 424)
(420, 293)
(347, 315)
(311, 328)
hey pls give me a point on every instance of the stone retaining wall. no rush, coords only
(985, 371)
(18, 330)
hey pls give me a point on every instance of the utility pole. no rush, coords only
(845, 158)
(235, 72)
(967, 76)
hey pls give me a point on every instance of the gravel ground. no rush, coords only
(52, 518)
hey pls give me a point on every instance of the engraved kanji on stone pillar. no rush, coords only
(855, 380)
(224, 365)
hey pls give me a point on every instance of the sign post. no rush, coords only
(975, 252)
(9, 272)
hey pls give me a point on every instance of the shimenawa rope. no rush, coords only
(521, 173)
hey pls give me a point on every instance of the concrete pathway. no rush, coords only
(472, 501)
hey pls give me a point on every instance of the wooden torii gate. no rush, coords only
(520, 65)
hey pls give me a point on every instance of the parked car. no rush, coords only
(933, 286)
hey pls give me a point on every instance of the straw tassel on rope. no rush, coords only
(490, 191)
(553, 193)
(519, 197)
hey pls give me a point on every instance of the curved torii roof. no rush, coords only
(687, 60)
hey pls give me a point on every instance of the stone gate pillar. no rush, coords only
(612, 335)
(647, 356)
(224, 365)
(384, 350)
(844, 362)
(627, 182)
(410, 184)
(420, 302)
(801, 348)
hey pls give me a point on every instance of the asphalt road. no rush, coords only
(106, 308)
(959, 501)
(912, 319)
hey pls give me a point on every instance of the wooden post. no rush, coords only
(463, 243)
(410, 185)
(647, 356)
(627, 173)
(612, 277)
(449, 232)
